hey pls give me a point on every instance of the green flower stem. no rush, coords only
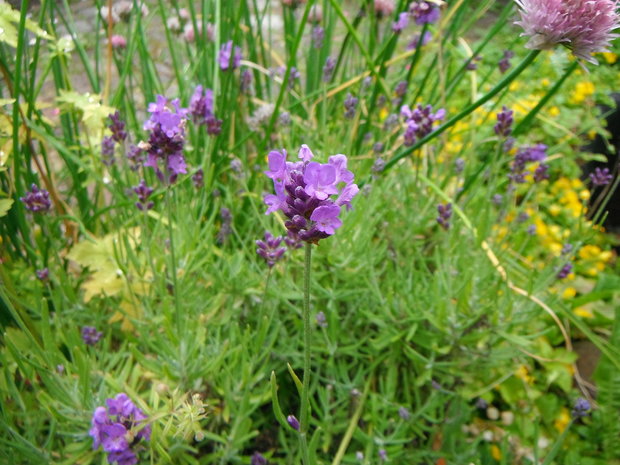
(305, 400)
(525, 123)
(455, 119)
(173, 270)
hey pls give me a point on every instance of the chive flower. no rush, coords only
(310, 194)
(585, 27)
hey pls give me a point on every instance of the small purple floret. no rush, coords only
(37, 200)
(90, 335)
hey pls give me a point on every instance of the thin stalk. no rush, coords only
(305, 398)
(455, 119)
(525, 123)
(177, 305)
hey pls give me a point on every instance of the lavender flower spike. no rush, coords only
(601, 177)
(37, 200)
(270, 249)
(582, 26)
(226, 54)
(310, 194)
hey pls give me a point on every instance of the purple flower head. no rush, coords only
(321, 320)
(310, 194)
(601, 177)
(90, 335)
(328, 69)
(225, 226)
(198, 179)
(566, 249)
(584, 26)
(541, 173)
(565, 271)
(293, 422)
(107, 150)
(401, 23)
(245, 82)
(117, 127)
(445, 213)
(503, 127)
(135, 156)
(383, 455)
(43, 274)
(117, 429)
(227, 60)
(350, 104)
(167, 137)
(404, 413)
(581, 408)
(318, 35)
(270, 249)
(37, 200)
(536, 153)
(258, 459)
(419, 121)
(424, 12)
(143, 192)
(504, 63)
(419, 40)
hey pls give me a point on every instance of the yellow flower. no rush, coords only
(545, 82)
(569, 293)
(583, 312)
(610, 57)
(555, 209)
(522, 373)
(554, 111)
(562, 421)
(495, 452)
(583, 90)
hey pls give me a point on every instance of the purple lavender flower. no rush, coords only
(471, 63)
(390, 121)
(459, 165)
(318, 35)
(321, 320)
(201, 109)
(143, 192)
(226, 59)
(37, 200)
(258, 459)
(419, 40)
(497, 199)
(503, 127)
(198, 179)
(541, 172)
(401, 23)
(378, 147)
(531, 230)
(383, 455)
(504, 63)
(526, 155)
(378, 165)
(581, 408)
(601, 177)
(135, 156)
(566, 249)
(166, 139)
(245, 82)
(43, 274)
(350, 104)
(565, 271)
(424, 12)
(582, 26)
(294, 76)
(401, 89)
(225, 226)
(304, 190)
(292, 240)
(117, 127)
(270, 249)
(404, 413)
(90, 335)
(328, 69)
(107, 150)
(118, 428)
(419, 121)
(445, 213)
(293, 422)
